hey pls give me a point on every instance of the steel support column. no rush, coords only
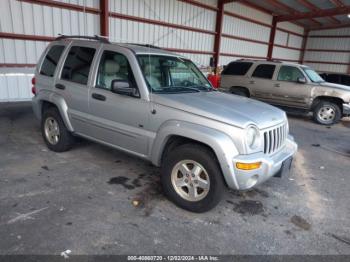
(303, 47)
(104, 14)
(272, 38)
(218, 31)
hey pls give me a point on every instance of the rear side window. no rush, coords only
(237, 68)
(51, 60)
(77, 65)
(264, 71)
(345, 80)
(333, 78)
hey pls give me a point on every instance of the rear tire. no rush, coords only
(56, 136)
(327, 113)
(191, 178)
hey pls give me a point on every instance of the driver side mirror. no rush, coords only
(123, 87)
(301, 80)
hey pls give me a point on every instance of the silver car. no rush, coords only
(158, 106)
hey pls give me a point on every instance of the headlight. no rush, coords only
(252, 137)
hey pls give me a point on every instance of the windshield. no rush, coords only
(314, 77)
(166, 74)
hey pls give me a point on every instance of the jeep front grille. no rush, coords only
(275, 138)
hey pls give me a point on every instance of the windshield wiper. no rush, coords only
(202, 87)
(174, 89)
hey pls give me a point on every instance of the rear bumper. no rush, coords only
(346, 109)
(270, 165)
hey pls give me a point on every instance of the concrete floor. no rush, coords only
(51, 202)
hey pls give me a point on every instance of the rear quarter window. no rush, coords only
(51, 59)
(237, 68)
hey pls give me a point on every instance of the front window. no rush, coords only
(314, 77)
(166, 74)
(113, 66)
(290, 74)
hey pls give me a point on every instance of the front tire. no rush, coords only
(56, 136)
(327, 113)
(191, 178)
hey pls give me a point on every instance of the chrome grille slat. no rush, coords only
(272, 140)
(275, 138)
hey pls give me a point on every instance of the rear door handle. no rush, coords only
(60, 86)
(98, 97)
(251, 82)
(277, 85)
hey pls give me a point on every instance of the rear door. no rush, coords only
(119, 120)
(260, 83)
(73, 81)
(288, 91)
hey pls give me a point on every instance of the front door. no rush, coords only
(288, 90)
(119, 120)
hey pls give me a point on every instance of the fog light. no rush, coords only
(248, 166)
(252, 181)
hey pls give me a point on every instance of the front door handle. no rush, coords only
(98, 97)
(251, 82)
(60, 86)
(277, 85)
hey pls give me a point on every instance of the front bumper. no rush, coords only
(270, 165)
(346, 109)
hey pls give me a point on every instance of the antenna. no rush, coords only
(153, 111)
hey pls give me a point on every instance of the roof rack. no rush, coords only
(95, 37)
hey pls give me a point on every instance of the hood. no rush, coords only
(337, 86)
(228, 108)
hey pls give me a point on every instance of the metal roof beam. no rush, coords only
(337, 3)
(313, 7)
(341, 25)
(314, 14)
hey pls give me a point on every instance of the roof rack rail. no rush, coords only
(274, 60)
(95, 37)
(246, 59)
(146, 45)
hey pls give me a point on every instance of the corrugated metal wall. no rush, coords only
(168, 11)
(244, 38)
(324, 46)
(31, 19)
(285, 39)
(236, 26)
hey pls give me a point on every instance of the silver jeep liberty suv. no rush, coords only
(158, 106)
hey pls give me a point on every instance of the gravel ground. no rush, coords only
(82, 200)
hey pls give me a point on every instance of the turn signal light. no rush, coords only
(248, 166)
